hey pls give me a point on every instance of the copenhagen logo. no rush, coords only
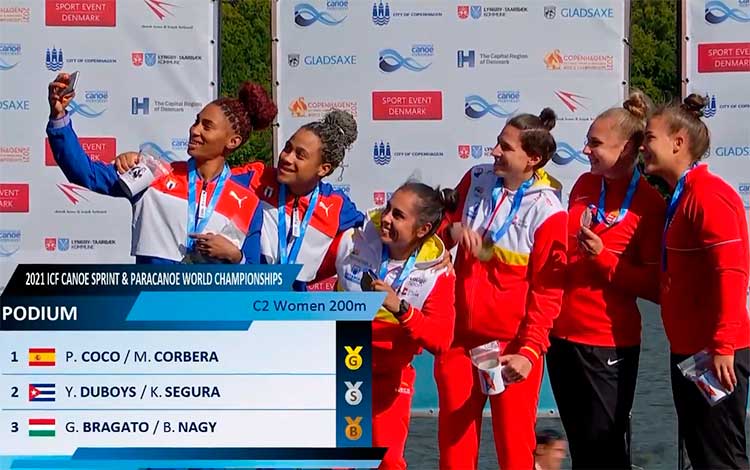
(710, 110)
(381, 13)
(160, 8)
(465, 58)
(390, 59)
(566, 154)
(54, 60)
(10, 242)
(83, 109)
(306, 15)
(550, 12)
(476, 107)
(381, 153)
(719, 12)
(8, 49)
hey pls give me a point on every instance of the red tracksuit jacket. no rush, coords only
(515, 295)
(599, 305)
(704, 286)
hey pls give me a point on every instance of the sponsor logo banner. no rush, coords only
(407, 105)
(302, 107)
(14, 197)
(10, 242)
(81, 13)
(15, 14)
(103, 149)
(724, 57)
(15, 153)
(557, 60)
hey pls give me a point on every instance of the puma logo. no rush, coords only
(239, 200)
(325, 208)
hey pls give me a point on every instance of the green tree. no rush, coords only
(654, 65)
(246, 55)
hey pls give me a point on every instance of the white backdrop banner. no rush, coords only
(716, 64)
(432, 83)
(146, 68)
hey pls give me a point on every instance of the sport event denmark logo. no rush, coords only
(103, 149)
(95, 13)
(407, 105)
(14, 197)
(724, 57)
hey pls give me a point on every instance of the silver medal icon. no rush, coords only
(353, 395)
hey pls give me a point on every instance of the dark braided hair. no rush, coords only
(252, 110)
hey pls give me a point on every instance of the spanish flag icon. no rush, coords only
(40, 357)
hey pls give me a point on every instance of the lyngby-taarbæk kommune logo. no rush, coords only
(306, 15)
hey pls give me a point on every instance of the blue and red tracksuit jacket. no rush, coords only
(334, 213)
(160, 225)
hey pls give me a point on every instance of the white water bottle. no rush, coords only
(151, 165)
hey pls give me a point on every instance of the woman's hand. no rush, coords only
(515, 367)
(392, 302)
(723, 367)
(589, 242)
(216, 246)
(470, 239)
(125, 161)
(58, 102)
(445, 262)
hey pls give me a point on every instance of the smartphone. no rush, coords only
(71, 84)
(367, 279)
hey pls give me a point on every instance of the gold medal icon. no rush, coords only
(487, 250)
(353, 430)
(353, 360)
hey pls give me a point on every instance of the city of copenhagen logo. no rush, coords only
(53, 59)
(381, 13)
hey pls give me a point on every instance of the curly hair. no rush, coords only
(337, 131)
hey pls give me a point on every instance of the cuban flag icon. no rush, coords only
(41, 392)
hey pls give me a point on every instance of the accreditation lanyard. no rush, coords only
(671, 210)
(286, 255)
(197, 221)
(405, 271)
(600, 211)
(515, 205)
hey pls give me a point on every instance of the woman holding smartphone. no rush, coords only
(397, 252)
(705, 259)
(314, 212)
(511, 232)
(195, 211)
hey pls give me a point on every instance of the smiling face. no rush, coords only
(511, 160)
(301, 160)
(606, 148)
(659, 147)
(400, 225)
(211, 135)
